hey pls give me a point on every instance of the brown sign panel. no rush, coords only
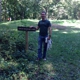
(21, 28)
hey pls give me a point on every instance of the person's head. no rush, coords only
(43, 15)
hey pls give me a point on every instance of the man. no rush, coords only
(44, 27)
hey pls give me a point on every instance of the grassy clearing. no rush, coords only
(63, 60)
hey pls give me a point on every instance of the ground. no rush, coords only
(63, 59)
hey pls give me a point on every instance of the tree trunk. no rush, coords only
(46, 9)
(0, 10)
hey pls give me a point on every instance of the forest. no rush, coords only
(30, 9)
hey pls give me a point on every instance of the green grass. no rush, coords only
(63, 60)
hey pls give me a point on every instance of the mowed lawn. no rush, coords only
(63, 59)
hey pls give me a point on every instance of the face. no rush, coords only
(43, 16)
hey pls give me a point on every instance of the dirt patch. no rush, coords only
(60, 27)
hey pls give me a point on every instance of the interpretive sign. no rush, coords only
(26, 29)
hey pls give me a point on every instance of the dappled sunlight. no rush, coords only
(74, 23)
(65, 32)
(70, 27)
(6, 64)
(75, 31)
(33, 20)
(55, 30)
(13, 30)
(6, 23)
(70, 31)
(66, 23)
(77, 25)
(49, 67)
(37, 31)
(13, 63)
(22, 75)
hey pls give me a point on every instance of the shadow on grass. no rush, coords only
(26, 67)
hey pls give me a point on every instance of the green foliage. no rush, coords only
(30, 9)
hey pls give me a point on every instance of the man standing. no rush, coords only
(44, 27)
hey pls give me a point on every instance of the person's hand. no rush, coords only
(49, 37)
(31, 26)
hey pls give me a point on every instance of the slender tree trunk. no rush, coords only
(46, 9)
(0, 9)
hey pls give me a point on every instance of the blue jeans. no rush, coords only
(42, 47)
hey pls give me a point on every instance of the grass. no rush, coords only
(63, 60)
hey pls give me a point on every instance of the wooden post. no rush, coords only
(26, 40)
(26, 29)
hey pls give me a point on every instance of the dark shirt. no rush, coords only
(43, 27)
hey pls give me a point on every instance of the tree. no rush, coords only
(0, 9)
(58, 9)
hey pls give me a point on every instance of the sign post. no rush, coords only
(26, 29)
(26, 40)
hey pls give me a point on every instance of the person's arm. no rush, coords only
(50, 31)
(37, 27)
